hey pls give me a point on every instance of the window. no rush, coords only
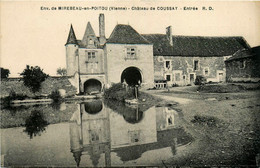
(167, 64)
(131, 53)
(90, 42)
(242, 64)
(196, 65)
(168, 77)
(91, 54)
(206, 71)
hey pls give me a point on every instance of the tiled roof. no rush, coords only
(125, 34)
(244, 53)
(195, 45)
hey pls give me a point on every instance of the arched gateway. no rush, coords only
(92, 86)
(132, 76)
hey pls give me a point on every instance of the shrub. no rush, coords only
(55, 96)
(4, 72)
(6, 102)
(200, 80)
(33, 77)
(175, 85)
(118, 92)
(205, 120)
(35, 123)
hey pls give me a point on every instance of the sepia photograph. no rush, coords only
(130, 83)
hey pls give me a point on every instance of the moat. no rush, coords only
(92, 133)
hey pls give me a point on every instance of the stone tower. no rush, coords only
(71, 53)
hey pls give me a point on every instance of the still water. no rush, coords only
(93, 133)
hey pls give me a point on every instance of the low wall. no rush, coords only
(49, 85)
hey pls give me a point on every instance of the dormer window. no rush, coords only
(90, 42)
(130, 53)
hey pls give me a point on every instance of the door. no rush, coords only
(192, 78)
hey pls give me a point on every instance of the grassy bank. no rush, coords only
(226, 132)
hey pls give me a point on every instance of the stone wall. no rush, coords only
(181, 69)
(49, 85)
(117, 62)
(243, 70)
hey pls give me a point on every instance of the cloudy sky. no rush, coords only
(33, 36)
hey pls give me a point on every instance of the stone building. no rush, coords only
(244, 66)
(149, 60)
(179, 59)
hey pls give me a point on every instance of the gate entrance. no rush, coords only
(131, 76)
(92, 86)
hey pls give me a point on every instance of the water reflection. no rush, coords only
(99, 134)
(35, 123)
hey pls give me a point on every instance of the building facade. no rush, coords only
(149, 60)
(244, 66)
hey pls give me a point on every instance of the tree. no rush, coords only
(35, 123)
(33, 77)
(4, 72)
(62, 71)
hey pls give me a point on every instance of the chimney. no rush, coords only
(169, 34)
(102, 38)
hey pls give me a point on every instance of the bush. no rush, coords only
(33, 77)
(35, 123)
(205, 120)
(175, 85)
(118, 92)
(55, 96)
(6, 102)
(200, 80)
(4, 72)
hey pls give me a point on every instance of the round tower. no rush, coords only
(72, 53)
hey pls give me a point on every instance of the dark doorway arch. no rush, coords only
(92, 86)
(132, 76)
(93, 107)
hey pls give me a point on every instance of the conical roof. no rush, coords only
(72, 37)
(89, 32)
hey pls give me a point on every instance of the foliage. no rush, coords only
(35, 123)
(118, 92)
(61, 71)
(223, 88)
(55, 96)
(33, 77)
(200, 80)
(4, 72)
(6, 102)
(205, 120)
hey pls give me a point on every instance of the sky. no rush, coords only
(31, 36)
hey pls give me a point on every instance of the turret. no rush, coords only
(71, 53)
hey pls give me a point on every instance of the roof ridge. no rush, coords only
(194, 36)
